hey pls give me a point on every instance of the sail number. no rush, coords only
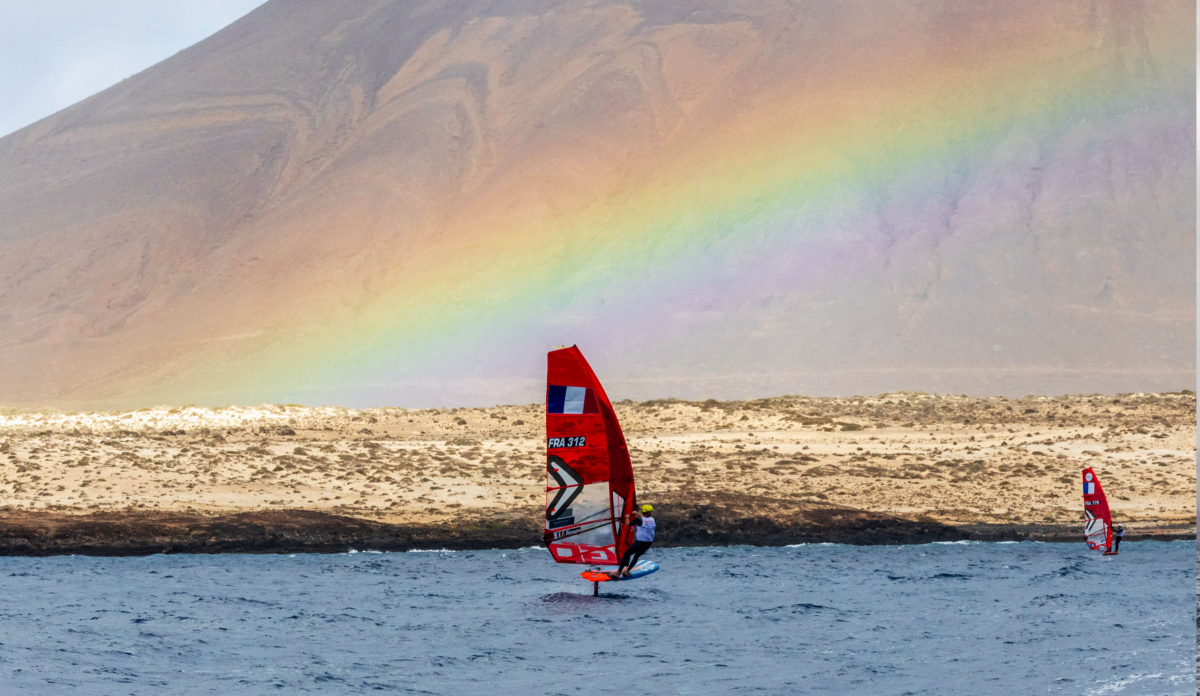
(563, 442)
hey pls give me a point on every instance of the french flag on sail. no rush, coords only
(567, 400)
(1089, 487)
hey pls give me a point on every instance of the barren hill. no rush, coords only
(365, 202)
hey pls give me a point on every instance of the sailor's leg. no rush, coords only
(625, 562)
(636, 549)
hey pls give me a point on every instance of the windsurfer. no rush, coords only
(643, 538)
(1117, 534)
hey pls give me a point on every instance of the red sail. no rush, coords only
(589, 478)
(1097, 529)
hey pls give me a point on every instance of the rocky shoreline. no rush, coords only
(137, 533)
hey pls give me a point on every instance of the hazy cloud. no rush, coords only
(54, 53)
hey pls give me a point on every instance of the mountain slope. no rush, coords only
(406, 202)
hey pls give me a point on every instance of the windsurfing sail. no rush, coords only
(1097, 529)
(589, 477)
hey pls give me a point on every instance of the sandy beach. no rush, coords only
(956, 462)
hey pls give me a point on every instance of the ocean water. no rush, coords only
(977, 618)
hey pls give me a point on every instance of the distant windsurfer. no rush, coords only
(1118, 534)
(643, 538)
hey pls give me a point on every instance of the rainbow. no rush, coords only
(784, 197)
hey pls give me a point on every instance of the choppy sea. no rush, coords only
(965, 618)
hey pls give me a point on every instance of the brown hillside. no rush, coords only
(323, 167)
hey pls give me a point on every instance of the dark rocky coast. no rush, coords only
(759, 522)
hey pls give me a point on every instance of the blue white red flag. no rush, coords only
(570, 400)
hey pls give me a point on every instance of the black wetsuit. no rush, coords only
(635, 550)
(1117, 536)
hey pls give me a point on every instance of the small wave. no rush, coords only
(431, 551)
(1041, 600)
(1120, 684)
(939, 576)
(575, 598)
(802, 608)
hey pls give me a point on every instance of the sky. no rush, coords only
(54, 53)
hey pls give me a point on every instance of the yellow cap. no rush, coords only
(647, 508)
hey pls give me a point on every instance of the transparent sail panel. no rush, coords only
(592, 504)
(587, 520)
(1096, 532)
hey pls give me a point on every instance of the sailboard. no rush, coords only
(639, 570)
(1097, 528)
(589, 476)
